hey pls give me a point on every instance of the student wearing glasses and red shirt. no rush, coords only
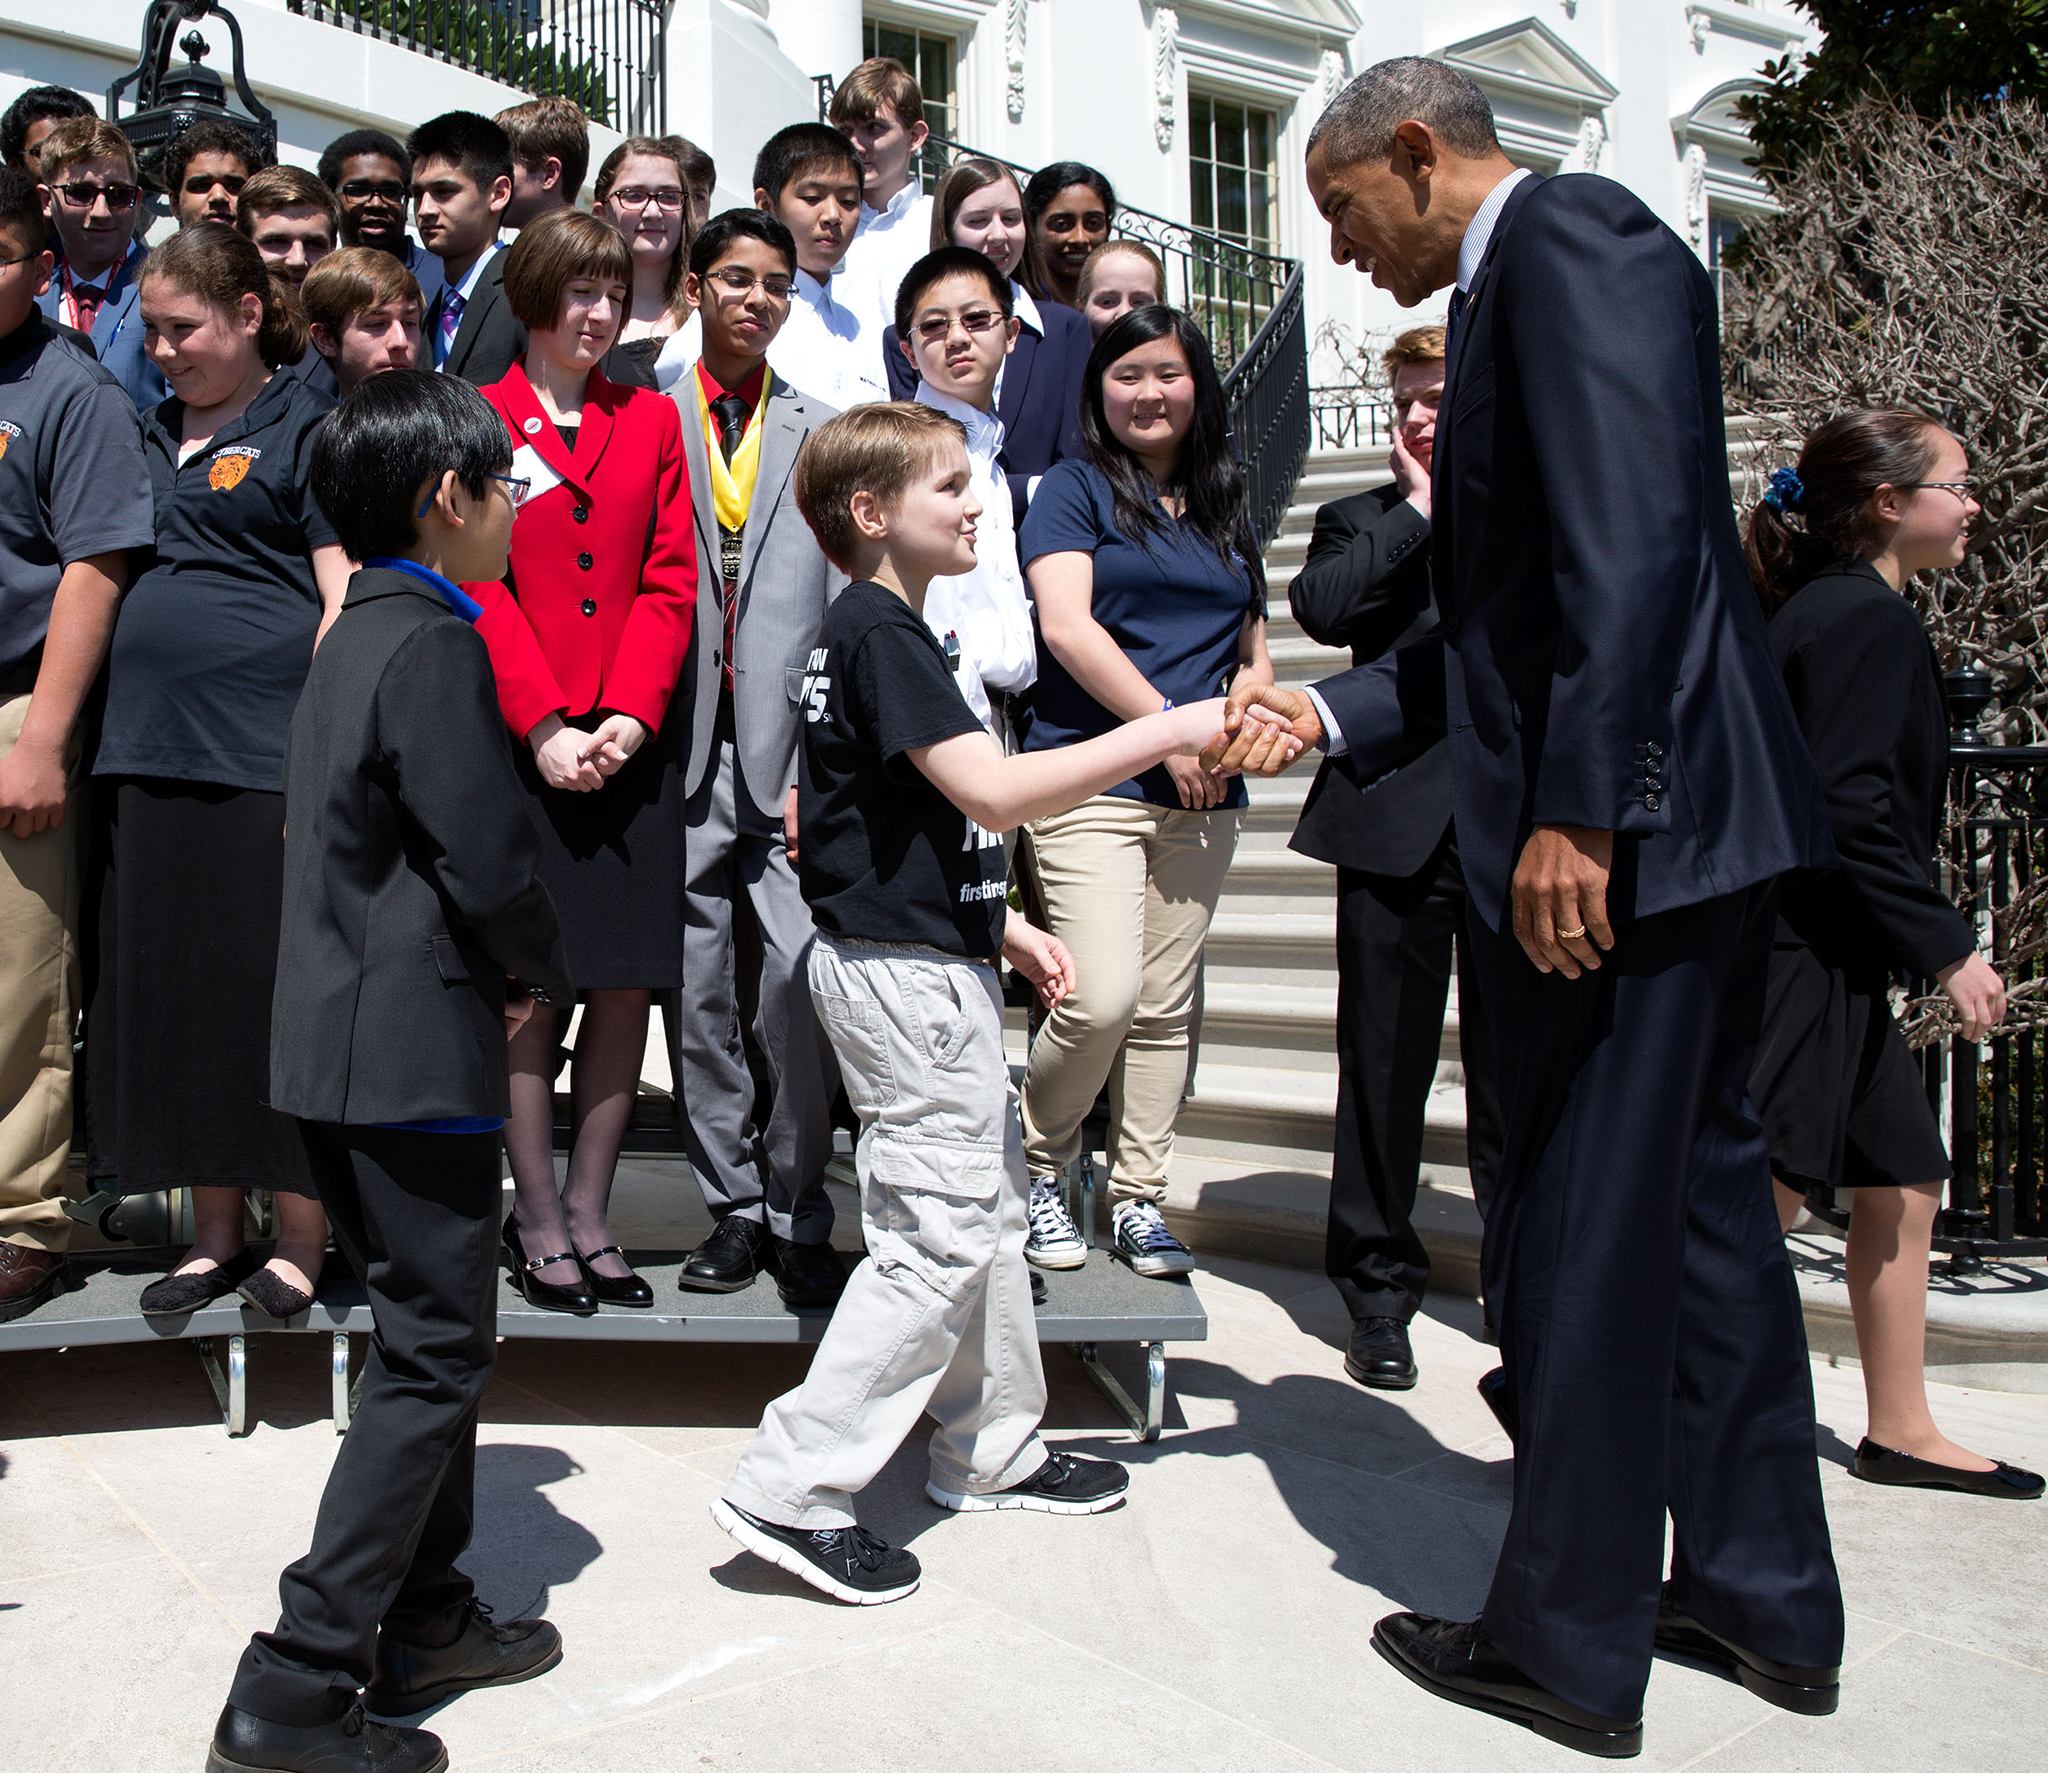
(92, 187)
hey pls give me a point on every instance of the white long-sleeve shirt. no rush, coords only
(889, 241)
(823, 351)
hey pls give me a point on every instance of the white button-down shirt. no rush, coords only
(888, 242)
(986, 609)
(822, 350)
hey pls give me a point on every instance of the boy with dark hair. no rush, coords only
(879, 107)
(370, 174)
(416, 938)
(74, 499)
(31, 117)
(363, 314)
(808, 177)
(461, 184)
(550, 154)
(743, 426)
(902, 800)
(205, 168)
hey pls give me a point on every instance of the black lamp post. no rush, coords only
(167, 101)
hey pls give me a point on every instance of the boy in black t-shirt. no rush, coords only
(902, 800)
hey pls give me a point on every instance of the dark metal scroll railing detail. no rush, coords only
(608, 55)
(1348, 418)
(1267, 393)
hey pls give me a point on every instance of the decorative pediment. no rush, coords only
(1532, 61)
(1713, 123)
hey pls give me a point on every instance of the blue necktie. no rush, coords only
(1459, 299)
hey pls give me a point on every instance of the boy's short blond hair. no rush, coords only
(354, 281)
(78, 139)
(878, 449)
(1419, 344)
(878, 81)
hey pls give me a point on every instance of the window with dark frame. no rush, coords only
(931, 59)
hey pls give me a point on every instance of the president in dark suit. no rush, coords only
(1628, 782)
(1400, 898)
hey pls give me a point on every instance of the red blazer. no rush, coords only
(597, 605)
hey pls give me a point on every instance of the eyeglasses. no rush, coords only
(738, 282)
(83, 194)
(368, 190)
(640, 196)
(520, 485)
(25, 259)
(200, 183)
(975, 321)
(1963, 489)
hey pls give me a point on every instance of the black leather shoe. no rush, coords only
(410, 1677)
(632, 1290)
(1454, 1662)
(1884, 1465)
(576, 1299)
(1813, 1692)
(1380, 1355)
(810, 1277)
(727, 1260)
(243, 1743)
(1493, 1389)
(177, 1293)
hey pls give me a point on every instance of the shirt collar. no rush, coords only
(749, 390)
(895, 209)
(984, 429)
(1027, 309)
(467, 287)
(31, 332)
(1479, 234)
(816, 292)
(450, 593)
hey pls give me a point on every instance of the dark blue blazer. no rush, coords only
(1601, 659)
(117, 332)
(1040, 404)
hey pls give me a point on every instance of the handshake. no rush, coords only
(1264, 730)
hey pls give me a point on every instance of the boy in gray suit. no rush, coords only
(742, 427)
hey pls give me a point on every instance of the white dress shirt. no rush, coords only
(887, 243)
(987, 609)
(681, 349)
(822, 350)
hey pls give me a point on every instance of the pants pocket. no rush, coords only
(860, 1039)
(930, 1210)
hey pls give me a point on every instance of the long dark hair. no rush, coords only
(1206, 478)
(1817, 514)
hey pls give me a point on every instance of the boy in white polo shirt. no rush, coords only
(879, 108)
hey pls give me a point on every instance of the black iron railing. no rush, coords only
(1267, 393)
(607, 55)
(1351, 418)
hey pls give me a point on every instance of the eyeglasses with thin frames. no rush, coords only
(83, 194)
(368, 190)
(640, 196)
(1963, 489)
(519, 484)
(975, 321)
(739, 282)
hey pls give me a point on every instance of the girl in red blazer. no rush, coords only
(588, 633)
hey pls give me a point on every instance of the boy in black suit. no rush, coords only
(461, 187)
(417, 938)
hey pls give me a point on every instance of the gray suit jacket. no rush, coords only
(785, 584)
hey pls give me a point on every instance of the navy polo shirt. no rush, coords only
(214, 639)
(73, 482)
(1173, 604)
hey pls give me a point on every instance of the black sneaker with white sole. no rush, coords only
(1143, 1241)
(848, 1563)
(1062, 1485)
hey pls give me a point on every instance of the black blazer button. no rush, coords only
(581, 513)
(585, 562)
(1653, 750)
(589, 604)
(1650, 803)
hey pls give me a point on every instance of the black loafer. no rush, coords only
(244, 1743)
(1454, 1662)
(1380, 1355)
(410, 1677)
(1493, 1391)
(177, 1293)
(1812, 1692)
(810, 1277)
(1885, 1465)
(632, 1290)
(727, 1260)
(576, 1299)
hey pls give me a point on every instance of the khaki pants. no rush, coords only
(38, 1004)
(1130, 889)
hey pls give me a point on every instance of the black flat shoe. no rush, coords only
(577, 1300)
(1380, 1355)
(245, 1743)
(1884, 1465)
(727, 1260)
(1493, 1391)
(410, 1677)
(178, 1293)
(1454, 1662)
(632, 1290)
(1812, 1692)
(274, 1296)
(810, 1277)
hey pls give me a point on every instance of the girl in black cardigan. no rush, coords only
(1877, 497)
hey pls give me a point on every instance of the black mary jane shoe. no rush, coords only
(632, 1290)
(179, 1293)
(1812, 1692)
(577, 1300)
(1886, 1465)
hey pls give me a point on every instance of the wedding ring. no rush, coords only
(1571, 935)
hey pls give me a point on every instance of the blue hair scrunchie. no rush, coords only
(1787, 491)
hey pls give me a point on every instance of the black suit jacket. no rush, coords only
(410, 877)
(1602, 659)
(489, 340)
(1365, 585)
(1864, 685)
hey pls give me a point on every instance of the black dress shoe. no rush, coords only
(632, 1290)
(244, 1743)
(576, 1299)
(810, 1277)
(410, 1677)
(1454, 1662)
(1884, 1465)
(1380, 1355)
(1037, 1289)
(1493, 1389)
(1813, 1692)
(727, 1260)
(188, 1292)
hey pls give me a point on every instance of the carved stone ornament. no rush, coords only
(1592, 138)
(1696, 194)
(1165, 74)
(1329, 78)
(1013, 57)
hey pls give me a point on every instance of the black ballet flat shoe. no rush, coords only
(178, 1293)
(632, 1290)
(1812, 1692)
(727, 1260)
(577, 1300)
(274, 1296)
(1885, 1465)
(1454, 1662)
(810, 1277)
(245, 1743)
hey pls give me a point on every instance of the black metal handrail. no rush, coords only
(610, 56)
(1267, 394)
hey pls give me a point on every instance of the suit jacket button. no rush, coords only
(585, 562)
(1650, 803)
(589, 604)
(1653, 750)
(581, 513)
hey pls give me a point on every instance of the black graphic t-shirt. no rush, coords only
(882, 854)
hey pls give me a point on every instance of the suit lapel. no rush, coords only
(701, 512)
(600, 405)
(782, 434)
(489, 289)
(533, 429)
(1017, 377)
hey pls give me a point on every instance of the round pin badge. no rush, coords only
(532, 426)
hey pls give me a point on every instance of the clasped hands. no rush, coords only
(578, 762)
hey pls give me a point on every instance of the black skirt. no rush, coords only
(1842, 1100)
(187, 887)
(612, 860)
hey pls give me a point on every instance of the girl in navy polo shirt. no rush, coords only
(1150, 592)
